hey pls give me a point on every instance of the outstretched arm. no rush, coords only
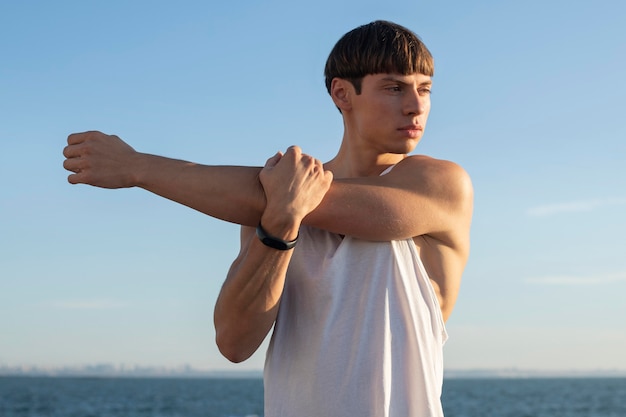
(419, 196)
(231, 193)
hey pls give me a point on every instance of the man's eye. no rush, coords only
(394, 88)
(424, 91)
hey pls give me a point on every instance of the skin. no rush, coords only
(422, 198)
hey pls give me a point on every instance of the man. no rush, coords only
(355, 263)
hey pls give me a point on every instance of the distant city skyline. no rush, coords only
(187, 371)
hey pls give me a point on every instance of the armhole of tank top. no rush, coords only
(387, 170)
(431, 290)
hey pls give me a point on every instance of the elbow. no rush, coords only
(238, 336)
(231, 348)
(233, 355)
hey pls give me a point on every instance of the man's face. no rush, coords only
(392, 110)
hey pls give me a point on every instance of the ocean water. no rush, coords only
(132, 397)
(535, 397)
(117, 397)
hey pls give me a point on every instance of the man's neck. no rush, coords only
(352, 162)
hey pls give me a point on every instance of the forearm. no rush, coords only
(231, 193)
(247, 306)
(248, 302)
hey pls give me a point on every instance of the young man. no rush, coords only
(356, 263)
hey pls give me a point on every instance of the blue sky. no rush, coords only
(528, 97)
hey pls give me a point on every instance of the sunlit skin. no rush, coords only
(423, 198)
(382, 124)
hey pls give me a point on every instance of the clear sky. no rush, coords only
(528, 96)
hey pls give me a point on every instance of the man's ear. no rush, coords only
(341, 91)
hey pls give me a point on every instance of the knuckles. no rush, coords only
(297, 161)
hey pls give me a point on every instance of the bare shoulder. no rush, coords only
(444, 251)
(440, 179)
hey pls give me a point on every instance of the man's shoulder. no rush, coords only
(428, 164)
(438, 176)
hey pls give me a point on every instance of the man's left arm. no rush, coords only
(419, 196)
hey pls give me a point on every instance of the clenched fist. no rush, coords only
(100, 160)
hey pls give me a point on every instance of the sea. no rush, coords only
(243, 397)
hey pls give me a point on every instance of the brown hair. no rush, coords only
(375, 48)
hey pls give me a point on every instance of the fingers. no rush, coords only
(98, 159)
(76, 142)
(298, 156)
(75, 178)
(295, 155)
(76, 166)
(77, 138)
(71, 164)
(294, 149)
(271, 162)
(294, 183)
(72, 151)
(73, 161)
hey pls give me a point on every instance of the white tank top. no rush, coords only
(359, 332)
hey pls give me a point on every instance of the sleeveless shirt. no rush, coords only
(359, 332)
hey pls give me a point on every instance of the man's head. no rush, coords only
(374, 48)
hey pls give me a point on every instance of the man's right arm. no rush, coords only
(248, 302)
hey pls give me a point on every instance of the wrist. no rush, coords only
(280, 226)
(142, 168)
(273, 241)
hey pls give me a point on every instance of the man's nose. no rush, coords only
(415, 103)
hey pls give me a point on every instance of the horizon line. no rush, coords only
(186, 371)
